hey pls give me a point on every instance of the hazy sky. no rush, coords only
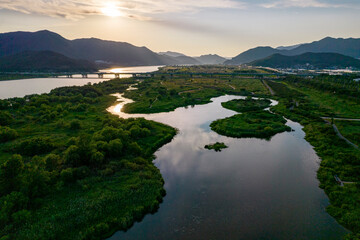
(194, 27)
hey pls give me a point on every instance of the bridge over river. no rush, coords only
(153, 74)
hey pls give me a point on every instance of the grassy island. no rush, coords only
(246, 105)
(259, 124)
(71, 170)
(216, 146)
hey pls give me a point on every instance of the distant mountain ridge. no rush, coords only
(348, 47)
(172, 54)
(91, 49)
(43, 61)
(308, 61)
(203, 59)
(211, 59)
(288, 47)
(106, 53)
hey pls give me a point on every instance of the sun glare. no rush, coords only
(111, 10)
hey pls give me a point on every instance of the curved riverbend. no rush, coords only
(255, 189)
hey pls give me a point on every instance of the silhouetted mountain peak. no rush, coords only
(349, 47)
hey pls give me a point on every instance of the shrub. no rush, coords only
(81, 172)
(115, 148)
(35, 146)
(75, 125)
(72, 155)
(66, 175)
(21, 217)
(52, 161)
(134, 149)
(97, 159)
(7, 134)
(10, 171)
(5, 118)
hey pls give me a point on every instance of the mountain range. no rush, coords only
(203, 59)
(44, 61)
(348, 47)
(117, 54)
(105, 53)
(308, 61)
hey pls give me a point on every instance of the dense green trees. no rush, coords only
(64, 147)
(5, 118)
(10, 175)
(7, 134)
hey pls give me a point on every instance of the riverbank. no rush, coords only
(338, 157)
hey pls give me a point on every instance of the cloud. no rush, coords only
(303, 4)
(139, 9)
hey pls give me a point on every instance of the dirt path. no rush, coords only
(153, 103)
(342, 137)
(231, 86)
(190, 91)
(341, 119)
(268, 87)
(328, 119)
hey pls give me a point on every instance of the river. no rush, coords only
(255, 189)
(23, 87)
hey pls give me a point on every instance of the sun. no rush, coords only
(111, 10)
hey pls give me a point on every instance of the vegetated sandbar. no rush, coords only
(261, 124)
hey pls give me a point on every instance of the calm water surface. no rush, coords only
(255, 189)
(21, 88)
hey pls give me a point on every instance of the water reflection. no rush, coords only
(255, 189)
(23, 87)
(142, 69)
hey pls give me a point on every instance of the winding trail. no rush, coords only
(342, 137)
(341, 119)
(328, 119)
(268, 87)
(231, 86)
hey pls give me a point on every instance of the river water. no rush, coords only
(255, 189)
(23, 87)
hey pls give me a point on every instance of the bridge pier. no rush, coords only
(134, 75)
(69, 76)
(100, 75)
(117, 75)
(84, 75)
